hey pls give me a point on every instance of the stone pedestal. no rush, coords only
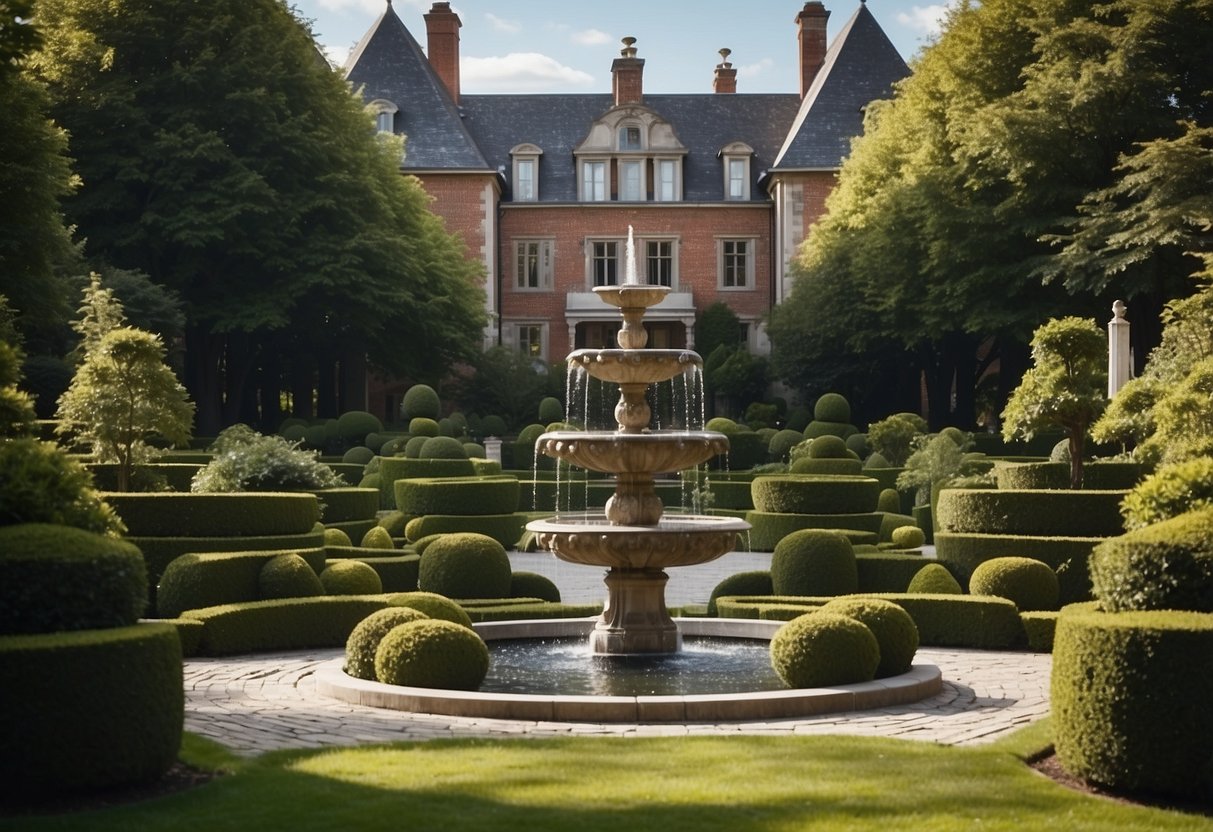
(635, 619)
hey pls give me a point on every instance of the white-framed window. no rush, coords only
(524, 180)
(735, 164)
(594, 181)
(631, 180)
(661, 262)
(629, 137)
(736, 263)
(668, 184)
(602, 262)
(385, 115)
(533, 264)
(531, 340)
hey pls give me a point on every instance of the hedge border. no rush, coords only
(457, 495)
(207, 579)
(243, 514)
(1069, 556)
(808, 494)
(768, 528)
(341, 505)
(1037, 513)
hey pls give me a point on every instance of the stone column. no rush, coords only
(1120, 363)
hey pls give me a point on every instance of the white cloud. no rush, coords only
(925, 19)
(754, 70)
(591, 37)
(336, 54)
(520, 72)
(511, 27)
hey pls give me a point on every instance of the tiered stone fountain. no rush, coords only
(631, 537)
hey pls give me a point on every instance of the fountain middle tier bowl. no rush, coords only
(613, 452)
(678, 540)
(635, 366)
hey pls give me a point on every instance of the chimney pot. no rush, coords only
(627, 75)
(725, 78)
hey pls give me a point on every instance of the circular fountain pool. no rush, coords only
(745, 702)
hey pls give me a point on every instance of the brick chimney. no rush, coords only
(442, 30)
(725, 79)
(627, 73)
(812, 21)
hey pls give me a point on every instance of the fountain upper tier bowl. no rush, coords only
(678, 540)
(635, 366)
(612, 452)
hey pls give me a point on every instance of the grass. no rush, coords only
(638, 784)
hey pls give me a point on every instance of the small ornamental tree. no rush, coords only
(1065, 388)
(121, 396)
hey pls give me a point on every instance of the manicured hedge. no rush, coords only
(55, 578)
(1167, 565)
(819, 466)
(89, 709)
(756, 582)
(392, 468)
(457, 495)
(397, 572)
(283, 624)
(734, 495)
(1036, 512)
(355, 530)
(1130, 700)
(340, 505)
(768, 528)
(167, 514)
(506, 529)
(1040, 628)
(815, 494)
(1056, 475)
(1068, 556)
(893, 521)
(887, 572)
(198, 580)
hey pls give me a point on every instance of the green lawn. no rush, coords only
(588, 784)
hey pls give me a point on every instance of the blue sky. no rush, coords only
(568, 46)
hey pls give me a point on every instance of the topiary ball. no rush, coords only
(358, 455)
(443, 447)
(350, 577)
(876, 460)
(720, 424)
(474, 450)
(433, 605)
(889, 501)
(934, 579)
(421, 544)
(421, 400)
(895, 630)
(288, 576)
(377, 537)
(829, 447)
(1030, 584)
(432, 654)
(822, 649)
(354, 425)
(908, 537)
(533, 585)
(422, 426)
(465, 565)
(814, 562)
(493, 425)
(832, 407)
(858, 444)
(412, 448)
(337, 537)
(550, 409)
(394, 522)
(364, 639)
(757, 582)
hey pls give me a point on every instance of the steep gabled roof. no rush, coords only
(389, 64)
(861, 66)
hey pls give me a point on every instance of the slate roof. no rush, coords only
(861, 66)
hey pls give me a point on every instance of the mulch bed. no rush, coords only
(1050, 767)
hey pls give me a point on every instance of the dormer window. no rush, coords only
(629, 137)
(735, 159)
(631, 154)
(526, 172)
(385, 115)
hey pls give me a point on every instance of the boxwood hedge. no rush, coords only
(392, 468)
(1056, 475)
(506, 529)
(343, 504)
(1130, 700)
(397, 572)
(283, 624)
(1168, 565)
(768, 528)
(457, 495)
(164, 514)
(1068, 556)
(887, 572)
(815, 494)
(198, 580)
(1034, 512)
(728, 494)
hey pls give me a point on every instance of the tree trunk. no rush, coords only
(1077, 445)
(202, 378)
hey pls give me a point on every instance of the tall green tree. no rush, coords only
(221, 156)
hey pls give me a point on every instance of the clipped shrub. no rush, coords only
(457, 495)
(1037, 512)
(1030, 584)
(890, 523)
(443, 447)
(506, 529)
(1168, 565)
(857, 443)
(1040, 627)
(412, 447)
(550, 410)
(1130, 700)
(493, 425)
(474, 450)
(358, 455)
(336, 537)
(465, 565)
(835, 467)
(354, 425)
(886, 571)
(423, 427)
(832, 407)
(908, 537)
(56, 578)
(841, 430)
(934, 579)
(421, 400)
(342, 504)
(206, 579)
(397, 573)
(350, 577)
(821, 649)
(720, 424)
(806, 494)
(533, 585)
(377, 538)
(432, 654)
(394, 522)
(419, 546)
(829, 447)
(282, 623)
(889, 501)
(515, 608)
(288, 576)
(895, 631)
(432, 604)
(783, 442)
(448, 428)
(757, 582)
(363, 643)
(219, 515)
(769, 528)
(814, 562)
(1170, 491)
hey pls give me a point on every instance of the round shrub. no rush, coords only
(350, 577)
(421, 400)
(814, 562)
(361, 646)
(533, 585)
(829, 447)
(783, 442)
(895, 631)
(493, 426)
(833, 467)
(377, 538)
(432, 654)
(934, 579)
(393, 447)
(909, 537)
(288, 576)
(336, 537)
(422, 426)
(1169, 492)
(1130, 700)
(858, 444)
(821, 649)
(294, 434)
(550, 410)
(358, 455)
(474, 450)
(55, 578)
(720, 424)
(314, 436)
(832, 407)
(443, 447)
(839, 429)
(757, 582)
(530, 434)
(448, 428)
(393, 522)
(421, 544)
(889, 501)
(354, 425)
(1168, 565)
(465, 565)
(412, 448)
(876, 460)
(433, 605)
(1030, 584)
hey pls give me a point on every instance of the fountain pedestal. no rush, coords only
(635, 618)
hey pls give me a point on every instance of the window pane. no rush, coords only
(666, 180)
(384, 122)
(594, 181)
(629, 138)
(735, 263)
(736, 179)
(659, 256)
(524, 188)
(630, 182)
(605, 264)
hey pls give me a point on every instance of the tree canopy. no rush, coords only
(220, 155)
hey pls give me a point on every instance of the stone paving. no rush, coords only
(253, 704)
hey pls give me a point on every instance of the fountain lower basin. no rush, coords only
(920, 683)
(677, 540)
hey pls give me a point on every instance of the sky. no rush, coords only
(563, 46)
